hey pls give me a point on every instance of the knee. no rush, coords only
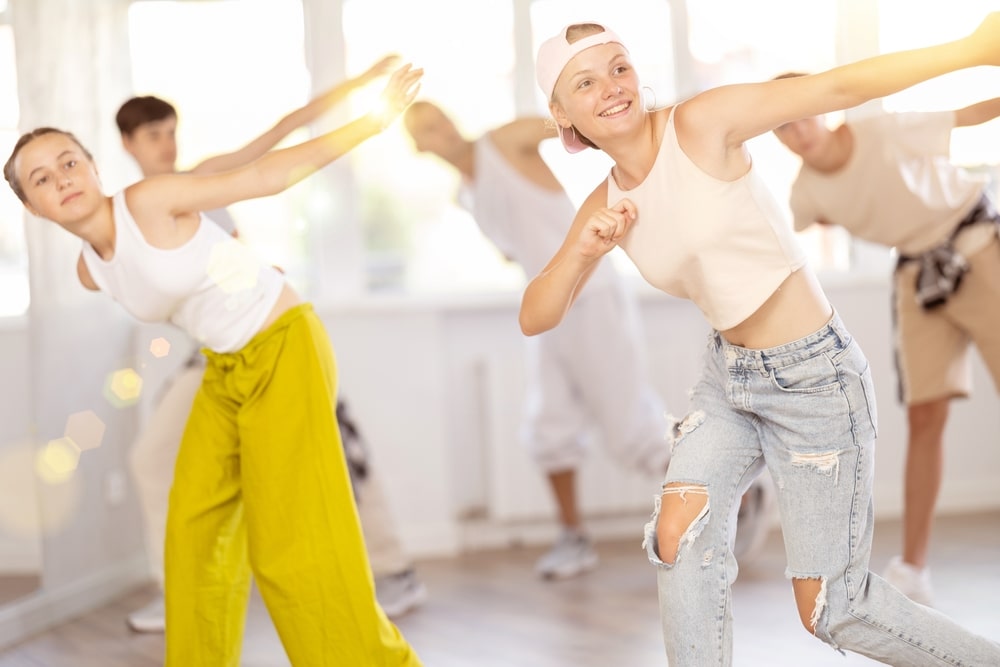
(683, 513)
(929, 416)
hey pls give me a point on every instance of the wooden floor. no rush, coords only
(13, 587)
(488, 610)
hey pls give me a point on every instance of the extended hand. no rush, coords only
(986, 40)
(383, 66)
(403, 86)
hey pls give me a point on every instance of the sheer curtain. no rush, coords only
(73, 72)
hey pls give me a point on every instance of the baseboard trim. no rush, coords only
(48, 607)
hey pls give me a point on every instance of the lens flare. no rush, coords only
(57, 460)
(123, 388)
(159, 347)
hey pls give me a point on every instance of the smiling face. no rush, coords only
(58, 178)
(598, 92)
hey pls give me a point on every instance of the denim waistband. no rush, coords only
(832, 336)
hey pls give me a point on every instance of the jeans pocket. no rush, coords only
(815, 375)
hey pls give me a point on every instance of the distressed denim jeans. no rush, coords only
(806, 410)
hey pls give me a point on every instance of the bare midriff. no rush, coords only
(288, 298)
(796, 309)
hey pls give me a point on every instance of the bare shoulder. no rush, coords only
(149, 202)
(597, 199)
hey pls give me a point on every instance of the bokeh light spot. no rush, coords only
(159, 347)
(233, 266)
(123, 387)
(85, 429)
(57, 460)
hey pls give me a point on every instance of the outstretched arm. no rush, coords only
(524, 134)
(294, 120)
(596, 230)
(736, 113)
(980, 112)
(177, 194)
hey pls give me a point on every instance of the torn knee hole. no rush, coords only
(683, 514)
(680, 427)
(814, 588)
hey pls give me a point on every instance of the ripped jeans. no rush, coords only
(806, 410)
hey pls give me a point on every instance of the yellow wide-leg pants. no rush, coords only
(261, 485)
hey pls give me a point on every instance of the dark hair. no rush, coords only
(141, 110)
(27, 138)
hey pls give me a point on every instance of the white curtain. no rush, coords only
(73, 72)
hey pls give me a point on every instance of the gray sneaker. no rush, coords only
(572, 554)
(150, 618)
(400, 593)
(912, 581)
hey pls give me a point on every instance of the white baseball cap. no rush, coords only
(553, 55)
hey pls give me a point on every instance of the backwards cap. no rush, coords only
(553, 55)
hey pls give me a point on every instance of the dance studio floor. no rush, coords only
(488, 610)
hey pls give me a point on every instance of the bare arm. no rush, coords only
(977, 113)
(524, 134)
(596, 230)
(177, 194)
(730, 115)
(294, 120)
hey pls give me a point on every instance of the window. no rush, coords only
(734, 41)
(14, 295)
(416, 236)
(902, 28)
(238, 68)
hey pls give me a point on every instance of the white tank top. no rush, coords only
(525, 221)
(725, 245)
(213, 287)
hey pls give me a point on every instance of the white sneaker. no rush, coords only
(913, 582)
(572, 554)
(753, 521)
(400, 593)
(150, 618)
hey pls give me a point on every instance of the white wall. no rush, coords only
(436, 386)
(428, 383)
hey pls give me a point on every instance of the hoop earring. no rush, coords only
(648, 98)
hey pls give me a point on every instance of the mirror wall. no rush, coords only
(20, 521)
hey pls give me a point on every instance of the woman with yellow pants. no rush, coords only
(258, 487)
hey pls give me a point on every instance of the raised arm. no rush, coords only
(595, 231)
(525, 134)
(299, 118)
(736, 113)
(177, 194)
(974, 114)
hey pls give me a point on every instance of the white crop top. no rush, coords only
(213, 287)
(725, 245)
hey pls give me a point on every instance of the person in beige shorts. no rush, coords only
(889, 179)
